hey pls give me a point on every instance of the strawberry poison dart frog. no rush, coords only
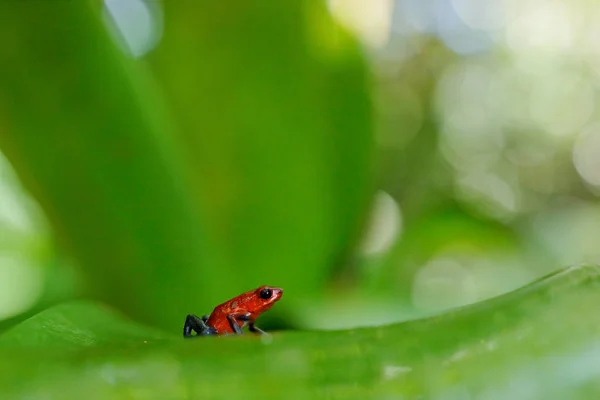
(233, 315)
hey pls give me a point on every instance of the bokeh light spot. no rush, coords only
(543, 26)
(14, 215)
(137, 25)
(563, 107)
(586, 154)
(570, 232)
(457, 35)
(20, 284)
(484, 15)
(442, 283)
(493, 195)
(384, 226)
(370, 20)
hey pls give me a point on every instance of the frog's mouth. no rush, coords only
(277, 293)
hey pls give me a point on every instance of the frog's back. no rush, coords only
(218, 318)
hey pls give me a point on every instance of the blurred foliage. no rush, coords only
(162, 158)
(243, 189)
(527, 344)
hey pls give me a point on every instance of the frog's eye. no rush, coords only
(265, 294)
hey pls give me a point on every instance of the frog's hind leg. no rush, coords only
(198, 325)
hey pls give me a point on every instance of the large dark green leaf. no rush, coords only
(271, 101)
(261, 177)
(85, 135)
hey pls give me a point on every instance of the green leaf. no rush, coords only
(237, 156)
(83, 129)
(77, 324)
(272, 103)
(528, 344)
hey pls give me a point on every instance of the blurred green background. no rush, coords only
(477, 173)
(378, 160)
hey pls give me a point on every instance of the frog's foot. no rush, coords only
(198, 325)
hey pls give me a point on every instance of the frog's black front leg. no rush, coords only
(256, 329)
(198, 325)
(234, 318)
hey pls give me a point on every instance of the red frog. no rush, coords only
(233, 315)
